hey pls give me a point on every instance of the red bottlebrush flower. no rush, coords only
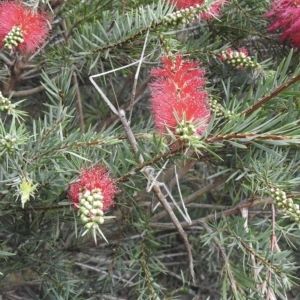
(94, 179)
(92, 194)
(21, 28)
(285, 16)
(178, 99)
(214, 9)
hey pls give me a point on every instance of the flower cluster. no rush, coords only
(285, 204)
(92, 194)
(13, 38)
(189, 10)
(26, 190)
(21, 28)
(5, 104)
(285, 16)
(8, 143)
(238, 59)
(185, 130)
(179, 102)
(218, 109)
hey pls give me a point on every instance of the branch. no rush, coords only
(79, 102)
(157, 191)
(225, 258)
(91, 14)
(6, 60)
(143, 86)
(253, 135)
(29, 92)
(192, 197)
(270, 96)
(236, 209)
(28, 73)
(136, 76)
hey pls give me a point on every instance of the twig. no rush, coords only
(91, 13)
(253, 135)
(30, 72)
(274, 245)
(79, 102)
(88, 267)
(6, 60)
(136, 79)
(139, 96)
(28, 92)
(270, 96)
(113, 109)
(274, 248)
(157, 191)
(225, 258)
(245, 215)
(183, 168)
(153, 295)
(15, 70)
(192, 197)
(246, 203)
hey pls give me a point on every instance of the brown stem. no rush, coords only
(270, 96)
(107, 122)
(158, 193)
(29, 92)
(16, 69)
(274, 244)
(6, 60)
(92, 13)
(215, 216)
(189, 199)
(253, 135)
(146, 271)
(225, 258)
(79, 102)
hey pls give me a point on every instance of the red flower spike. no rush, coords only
(178, 95)
(91, 179)
(214, 9)
(31, 27)
(285, 16)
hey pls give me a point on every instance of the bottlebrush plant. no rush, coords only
(149, 149)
